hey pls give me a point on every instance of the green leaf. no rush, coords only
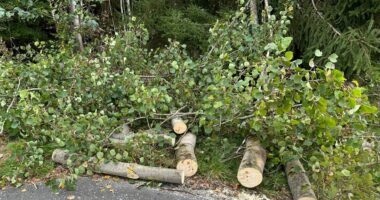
(270, 46)
(23, 94)
(330, 65)
(119, 156)
(113, 152)
(318, 53)
(218, 104)
(352, 111)
(289, 55)
(99, 155)
(357, 92)
(333, 58)
(345, 172)
(367, 109)
(285, 42)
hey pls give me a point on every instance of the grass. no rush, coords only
(219, 160)
(12, 163)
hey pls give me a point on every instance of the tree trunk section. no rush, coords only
(129, 8)
(130, 170)
(298, 182)
(185, 155)
(76, 24)
(179, 126)
(251, 168)
(254, 11)
(122, 138)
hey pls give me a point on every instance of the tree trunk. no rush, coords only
(122, 139)
(254, 11)
(251, 168)
(185, 155)
(130, 170)
(129, 8)
(76, 24)
(298, 182)
(179, 126)
(266, 5)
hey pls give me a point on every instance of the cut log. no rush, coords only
(167, 139)
(185, 155)
(130, 170)
(250, 173)
(179, 126)
(298, 182)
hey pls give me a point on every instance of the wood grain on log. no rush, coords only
(179, 126)
(250, 173)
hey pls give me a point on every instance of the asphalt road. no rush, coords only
(88, 189)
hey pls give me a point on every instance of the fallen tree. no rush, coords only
(129, 170)
(250, 173)
(298, 182)
(185, 155)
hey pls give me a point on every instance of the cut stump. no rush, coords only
(179, 126)
(185, 155)
(250, 173)
(130, 170)
(298, 182)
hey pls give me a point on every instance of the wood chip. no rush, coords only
(71, 197)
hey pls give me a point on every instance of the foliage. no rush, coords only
(247, 82)
(356, 37)
(22, 20)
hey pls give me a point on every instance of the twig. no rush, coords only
(172, 115)
(323, 18)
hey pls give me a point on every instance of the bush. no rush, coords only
(247, 82)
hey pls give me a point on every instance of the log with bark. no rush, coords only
(179, 126)
(298, 182)
(129, 170)
(125, 137)
(250, 173)
(185, 155)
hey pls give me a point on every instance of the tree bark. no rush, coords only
(250, 173)
(298, 182)
(254, 11)
(130, 170)
(129, 8)
(76, 24)
(179, 126)
(185, 155)
(122, 139)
